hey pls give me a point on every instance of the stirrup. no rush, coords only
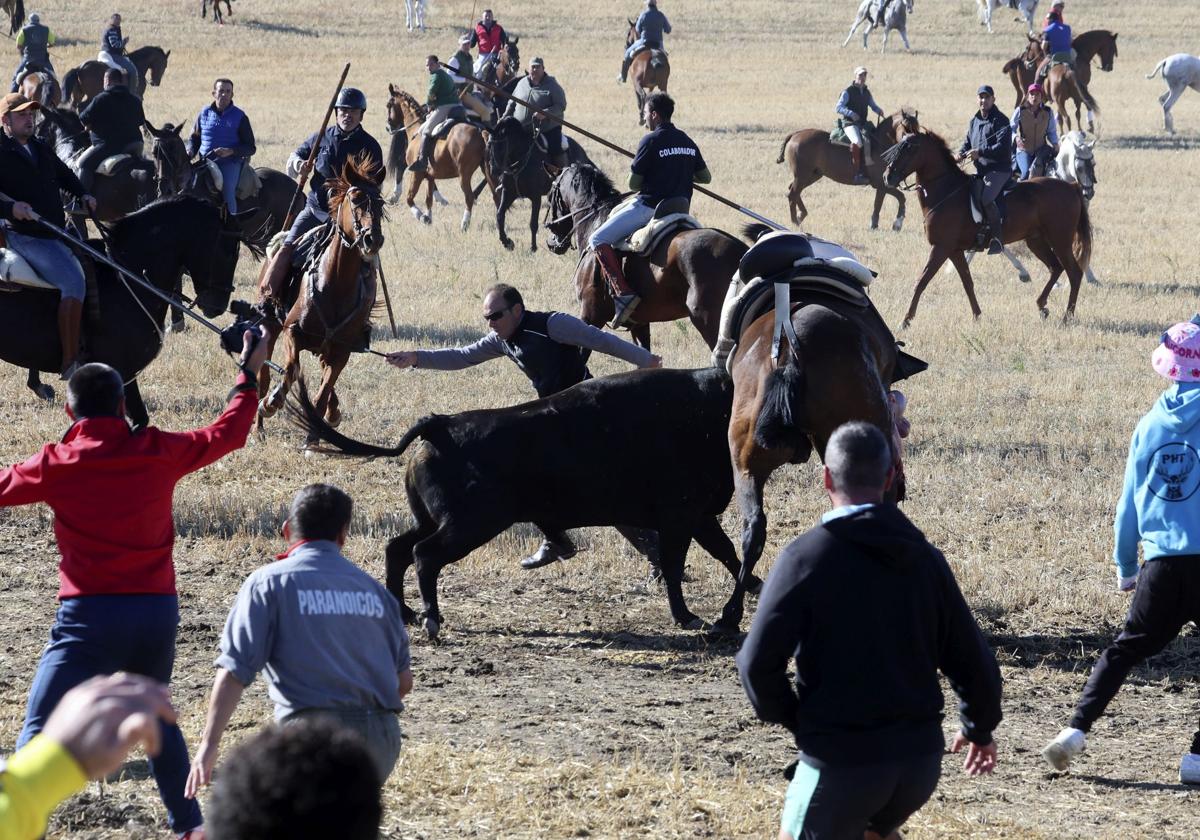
(625, 305)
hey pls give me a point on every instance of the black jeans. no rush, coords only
(1167, 597)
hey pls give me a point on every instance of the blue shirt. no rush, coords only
(650, 26)
(668, 161)
(1057, 37)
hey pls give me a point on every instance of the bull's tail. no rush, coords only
(68, 84)
(1082, 247)
(783, 148)
(1157, 67)
(781, 420)
(304, 414)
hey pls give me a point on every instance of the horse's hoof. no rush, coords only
(508, 244)
(432, 628)
(266, 409)
(407, 614)
(724, 629)
(905, 323)
(754, 585)
(1044, 312)
(1024, 278)
(898, 224)
(44, 392)
(975, 316)
(1068, 316)
(427, 218)
(440, 199)
(874, 224)
(394, 199)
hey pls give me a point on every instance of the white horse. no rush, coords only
(1180, 71)
(414, 14)
(895, 16)
(1075, 164)
(1027, 8)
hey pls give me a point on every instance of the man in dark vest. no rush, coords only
(989, 146)
(112, 51)
(114, 117)
(222, 132)
(551, 348)
(1035, 132)
(852, 118)
(34, 42)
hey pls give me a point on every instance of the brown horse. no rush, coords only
(458, 155)
(1022, 70)
(840, 369)
(811, 156)
(85, 81)
(331, 310)
(686, 276)
(1088, 45)
(15, 10)
(39, 86)
(1049, 215)
(1063, 86)
(649, 70)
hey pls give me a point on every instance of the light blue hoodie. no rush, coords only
(1159, 503)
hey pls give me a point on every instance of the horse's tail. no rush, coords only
(305, 415)
(754, 230)
(68, 84)
(1157, 67)
(1082, 247)
(396, 152)
(783, 148)
(781, 419)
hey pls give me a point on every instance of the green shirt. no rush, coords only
(441, 89)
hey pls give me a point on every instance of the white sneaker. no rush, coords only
(1068, 744)
(1189, 769)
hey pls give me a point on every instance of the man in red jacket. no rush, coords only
(111, 492)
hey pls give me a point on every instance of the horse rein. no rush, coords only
(360, 230)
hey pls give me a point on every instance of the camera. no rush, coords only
(231, 336)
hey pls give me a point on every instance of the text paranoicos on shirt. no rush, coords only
(335, 602)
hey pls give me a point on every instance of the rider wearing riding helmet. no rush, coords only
(543, 91)
(989, 145)
(112, 51)
(1056, 42)
(115, 118)
(489, 36)
(666, 165)
(1035, 134)
(222, 132)
(650, 26)
(852, 117)
(460, 63)
(340, 142)
(34, 42)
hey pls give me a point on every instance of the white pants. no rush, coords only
(621, 223)
(853, 132)
(436, 117)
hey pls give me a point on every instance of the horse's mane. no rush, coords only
(943, 147)
(408, 99)
(157, 52)
(363, 173)
(1091, 39)
(593, 182)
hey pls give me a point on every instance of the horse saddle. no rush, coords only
(32, 67)
(16, 272)
(1001, 204)
(458, 114)
(541, 142)
(670, 216)
(109, 165)
(248, 182)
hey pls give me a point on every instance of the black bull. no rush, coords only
(555, 463)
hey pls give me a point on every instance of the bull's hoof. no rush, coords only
(44, 391)
(754, 585)
(432, 628)
(724, 629)
(695, 623)
(407, 614)
(898, 224)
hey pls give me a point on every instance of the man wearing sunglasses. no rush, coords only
(551, 348)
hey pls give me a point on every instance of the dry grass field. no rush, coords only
(562, 702)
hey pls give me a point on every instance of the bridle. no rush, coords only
(516, 167)
(167, 170)
(374, 207)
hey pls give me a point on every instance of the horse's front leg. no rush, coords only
(968, 284)
(430, 188)
(937, 256)
(291, 369)
(464, 181)
(504, 200)
(34, 381)
(410, 196)
(326, 402)
(535, 208)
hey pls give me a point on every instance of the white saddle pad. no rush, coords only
(15, 269)
(644, 239)
(109, 164)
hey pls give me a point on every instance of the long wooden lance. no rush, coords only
(715, 196)
(312, 155)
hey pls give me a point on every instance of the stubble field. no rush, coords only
(563, 702)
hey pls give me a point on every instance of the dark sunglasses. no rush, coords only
(492, 317)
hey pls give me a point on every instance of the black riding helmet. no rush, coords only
(349, 97)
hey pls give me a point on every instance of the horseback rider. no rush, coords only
(650, 26)
(34, 42)
(222, 132)
(989, 145)
(852, 108)
(1056, 6)
(32, 179)
(346, 139)
(542, 91)
(114, 117)
(666, 165)
(112, 51)
(877, 11)
(489, 36)
(551, 348)
(442, 99)
(1035, 134)
(460, 62)
(1056, 43)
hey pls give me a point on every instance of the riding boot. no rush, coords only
(624, 297)
(70, 313)
(274, 284)
(856, 162)
(422, 162)
(992, 229)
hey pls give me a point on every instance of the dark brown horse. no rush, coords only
(811, 156)
(1090, 45)
(686, 276)
(85, 81)
(458, 155)
(840, 369)
(218, 18)
(41, 87)
(1049, 215)
(1022, 70)
(15, 9)
(649, 70)
(330, 313)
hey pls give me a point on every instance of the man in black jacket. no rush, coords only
(871, 612)
(989, 146)
(31, 180)
(114, 118)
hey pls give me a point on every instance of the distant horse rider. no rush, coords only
(112, 51)
(852, 108)
(489, 37)
(666, 165)
(114, 117)
(1035, 133)
(542, 91)
(341, 141)
(222, 132)
(459, 63)
(442, 99)
(551, 348)
(1056, 42)
(34, 42)
(32, 178)
(650, 26)
(989, 145)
